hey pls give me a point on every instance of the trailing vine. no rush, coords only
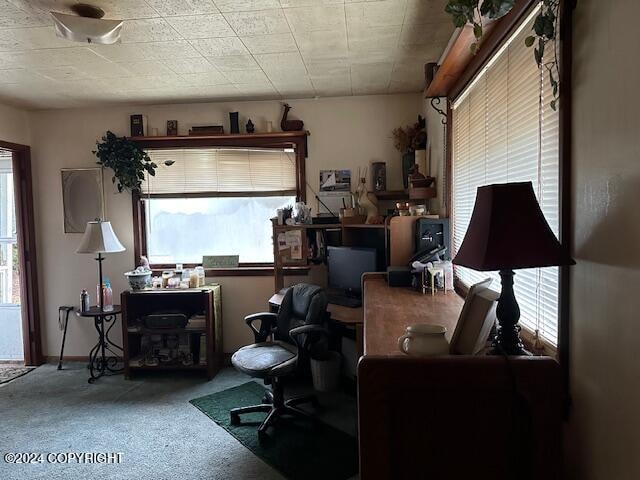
(129, 162)
(544, 30)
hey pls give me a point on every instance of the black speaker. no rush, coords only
(432, 233)
(399, 276)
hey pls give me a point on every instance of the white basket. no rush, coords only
(326, 373)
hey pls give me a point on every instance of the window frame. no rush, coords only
(464, 75)
(278, 140)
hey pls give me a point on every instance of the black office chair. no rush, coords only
(283, 344)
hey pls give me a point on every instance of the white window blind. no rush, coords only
(211, 170)
(503, 133)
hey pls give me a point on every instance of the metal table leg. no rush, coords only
(67, 311)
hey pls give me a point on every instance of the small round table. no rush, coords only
(100, 363)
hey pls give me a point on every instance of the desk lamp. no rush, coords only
(99, 238)
(508, 231)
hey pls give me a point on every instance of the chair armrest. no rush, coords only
(267, 325)
(295, 334)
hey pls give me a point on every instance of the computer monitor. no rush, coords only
(346, 266)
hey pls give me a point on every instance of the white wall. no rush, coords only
(603, 439)
(345, 133)
(14, 125)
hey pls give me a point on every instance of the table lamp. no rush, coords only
(99, 238)
(508, 231)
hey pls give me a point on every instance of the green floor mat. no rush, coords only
(296, 448)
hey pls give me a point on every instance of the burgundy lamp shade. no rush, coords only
(508, 231)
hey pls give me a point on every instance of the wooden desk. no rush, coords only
(389, 310)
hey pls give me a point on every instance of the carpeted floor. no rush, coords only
(148, 420)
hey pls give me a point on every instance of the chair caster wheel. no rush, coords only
(266, 399)
(234, 419)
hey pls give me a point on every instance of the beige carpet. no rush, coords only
(11, 372)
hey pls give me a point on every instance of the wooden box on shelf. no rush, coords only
(203, 303)
(421, 193)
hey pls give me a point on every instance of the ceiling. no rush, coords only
(214, 50)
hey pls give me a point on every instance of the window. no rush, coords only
(502, 131)
(215, 201)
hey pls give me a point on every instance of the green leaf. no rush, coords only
(474, 48)
(477, 31)
(496, 8)
(529, 40)
(168, 163)
(553, 105)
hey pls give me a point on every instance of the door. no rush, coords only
(18, 262)
(11, 340)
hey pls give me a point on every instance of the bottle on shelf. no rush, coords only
(108, 295)
(85, 301)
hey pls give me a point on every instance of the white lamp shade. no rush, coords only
(99, 237)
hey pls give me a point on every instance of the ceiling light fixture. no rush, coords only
(87, 26)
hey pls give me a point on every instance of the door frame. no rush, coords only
(30, 305)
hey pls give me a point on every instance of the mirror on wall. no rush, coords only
(82, 197)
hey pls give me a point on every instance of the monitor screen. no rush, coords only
(346, 266)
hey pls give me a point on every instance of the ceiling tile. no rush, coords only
(19, 39)
(103, 69)
(247, 76)
(189, 65)
(270, 61)
(219, 47)
(375, 75)
(183, 7)
(49, 57)
(258, 90)
(18, 14)
(323, 68)
(61, 73)
(427, 11)
(17, 75)
(114, 9)
(428, 34)
(374, 39)
(148, 30)
(306, 19)
(146, 51)
(202, 26)
(309, 3)
(323, 43)
(275, 43)
(203, 79)
(261, 22)
(146, 67)
(375, 14)
(234, 62)
(245, 5)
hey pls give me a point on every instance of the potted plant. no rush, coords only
(407, 140)
(127, 159)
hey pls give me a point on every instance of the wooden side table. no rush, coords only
(103, 359)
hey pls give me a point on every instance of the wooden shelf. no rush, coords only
(364, 225)
(226, 136)
(392, 195)
(308, 226)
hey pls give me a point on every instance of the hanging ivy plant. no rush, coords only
(544, 29)
(128, 161)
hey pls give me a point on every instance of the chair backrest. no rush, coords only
(303, 304)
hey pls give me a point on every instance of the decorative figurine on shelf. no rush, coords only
(250, 127)
(290, 125)
(172, 128)
(417, 179)
(379, 176)
(367, 202)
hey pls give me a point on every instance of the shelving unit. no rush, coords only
(204, 301)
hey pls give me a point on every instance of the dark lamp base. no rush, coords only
(507, 339)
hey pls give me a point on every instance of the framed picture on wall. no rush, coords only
(82, 197)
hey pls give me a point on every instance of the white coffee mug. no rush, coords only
(423, 339)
